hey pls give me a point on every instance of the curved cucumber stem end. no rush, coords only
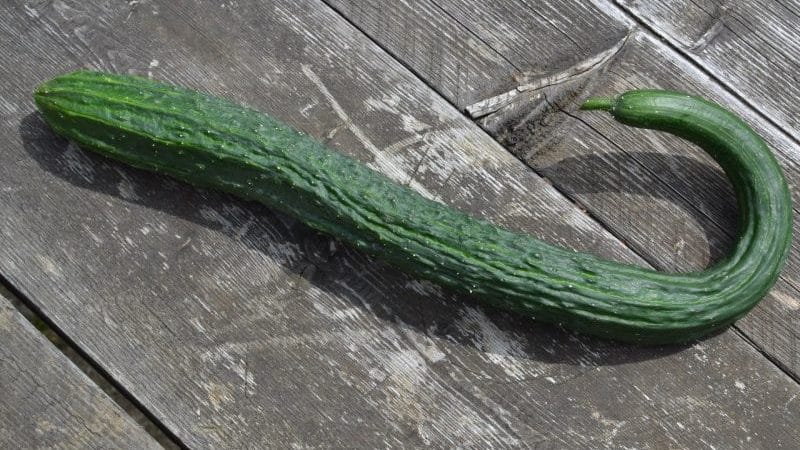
(602, 103)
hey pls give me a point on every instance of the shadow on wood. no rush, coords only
(592, 173)
(333, 267)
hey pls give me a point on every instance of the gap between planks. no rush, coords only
(85, 364)
(766, 355)
(647, 29)
(664, 39)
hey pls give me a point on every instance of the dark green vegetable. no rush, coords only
(211, 142)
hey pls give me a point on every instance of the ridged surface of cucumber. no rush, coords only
(210, 142)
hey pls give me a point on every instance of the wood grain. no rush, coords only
(237, 326)
(46, 402)
(753, 47)
(470, 53)
(436, 47)
(665, 199)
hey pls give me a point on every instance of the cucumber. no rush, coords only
(213, 143)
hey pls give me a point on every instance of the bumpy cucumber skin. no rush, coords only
(213, 143)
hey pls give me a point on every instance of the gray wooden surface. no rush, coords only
(661, 196)
(752, 47)
(46, 402)
(235, 326)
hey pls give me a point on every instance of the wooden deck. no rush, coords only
(228, 325)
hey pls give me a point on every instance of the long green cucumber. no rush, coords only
(211, 142)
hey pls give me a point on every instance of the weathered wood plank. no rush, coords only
(753, 47)
(691, 223)
(667, 201)
(46, 402)
(462, 67)
(470, 53)
(260, 331)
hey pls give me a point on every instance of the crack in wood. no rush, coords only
(531, 83)
(710, 33)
